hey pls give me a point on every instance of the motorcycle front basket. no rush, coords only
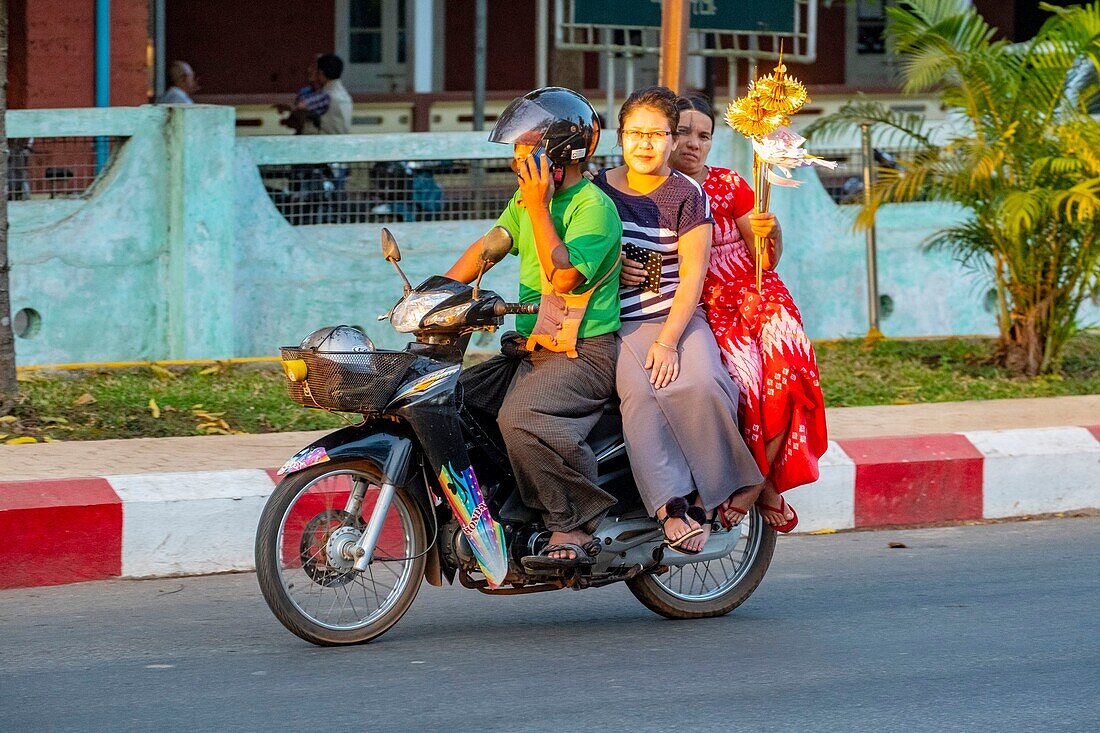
(362, 382)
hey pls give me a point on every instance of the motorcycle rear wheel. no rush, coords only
(323, 599)
(715, 587)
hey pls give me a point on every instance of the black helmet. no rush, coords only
(558, 119)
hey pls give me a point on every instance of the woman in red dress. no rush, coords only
(760, 334)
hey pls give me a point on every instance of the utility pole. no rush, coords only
(9, 387)
(675, 22)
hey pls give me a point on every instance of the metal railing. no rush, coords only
(55, 167)
(386, 191)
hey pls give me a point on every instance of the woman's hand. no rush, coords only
(763, 224)
(633, 273)
(663, 364)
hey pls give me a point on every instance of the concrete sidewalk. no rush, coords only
(225, 452)
(174, 506)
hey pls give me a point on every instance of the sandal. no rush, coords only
(781, 510)
(585, 556)
(678, 509)
(732, 516)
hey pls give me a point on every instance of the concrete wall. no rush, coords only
(177, 252)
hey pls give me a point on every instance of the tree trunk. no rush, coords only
(9, 387)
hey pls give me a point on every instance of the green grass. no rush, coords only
(944, 370)
(252, 399)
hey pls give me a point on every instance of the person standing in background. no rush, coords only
(183, 84)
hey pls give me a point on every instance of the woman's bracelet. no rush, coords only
(666, 346)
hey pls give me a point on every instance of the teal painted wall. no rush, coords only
(177, 251)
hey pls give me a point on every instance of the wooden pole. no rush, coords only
(9, 387)
(675, 22)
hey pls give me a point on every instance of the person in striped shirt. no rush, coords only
(679, 405)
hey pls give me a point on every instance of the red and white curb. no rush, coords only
(163, 524)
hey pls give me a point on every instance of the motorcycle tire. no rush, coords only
(661, 599)
(270, 556)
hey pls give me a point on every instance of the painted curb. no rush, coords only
(165, 524)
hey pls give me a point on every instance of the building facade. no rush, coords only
(395, 49)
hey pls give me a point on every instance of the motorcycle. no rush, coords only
(422, 490)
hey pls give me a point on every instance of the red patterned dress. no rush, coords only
(763, 344)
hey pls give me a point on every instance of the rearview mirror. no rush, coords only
(496, 245)
(390, 249)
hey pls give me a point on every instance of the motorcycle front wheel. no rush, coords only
(713, 587)
(314, 590)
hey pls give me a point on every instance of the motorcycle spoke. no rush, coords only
(701, 580)
(321, 589)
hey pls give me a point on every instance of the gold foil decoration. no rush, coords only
(767, 106)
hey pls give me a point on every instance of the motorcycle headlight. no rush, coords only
(409, 312)
(448, 316)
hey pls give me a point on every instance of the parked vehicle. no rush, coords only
(422, 489)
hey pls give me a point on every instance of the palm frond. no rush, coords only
(904, 130)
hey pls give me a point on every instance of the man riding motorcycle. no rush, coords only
(567, 234)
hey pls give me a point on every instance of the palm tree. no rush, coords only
(1023, 156)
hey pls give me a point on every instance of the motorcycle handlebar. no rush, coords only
(504, 309)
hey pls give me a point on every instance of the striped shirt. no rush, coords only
(655, 222)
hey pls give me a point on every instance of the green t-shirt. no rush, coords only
(589, 226)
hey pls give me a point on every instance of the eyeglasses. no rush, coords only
(650, 136)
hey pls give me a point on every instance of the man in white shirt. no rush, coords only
(183, 84)
(325, 75)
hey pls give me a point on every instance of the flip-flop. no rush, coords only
(585, 556)
(732, 516)
(678, 509)
(781, 511)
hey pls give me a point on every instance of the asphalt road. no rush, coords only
(981, 628)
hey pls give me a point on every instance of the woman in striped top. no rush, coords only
(679, 406)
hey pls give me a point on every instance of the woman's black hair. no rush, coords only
(657, 98)
(696, 103)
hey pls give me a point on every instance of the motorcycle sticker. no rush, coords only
(485, 534)
(303, 459)
(427, 382)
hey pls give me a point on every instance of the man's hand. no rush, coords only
(536, 186)
(633, 273)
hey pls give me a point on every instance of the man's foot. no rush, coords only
(676, 524)
(564, 550)
(774, 510)
(576, 537)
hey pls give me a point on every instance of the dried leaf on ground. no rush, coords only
(211, 369)
(21, 440)
(56, 420)
(8, 419)
(153, 408)
(160, 372)
(84, 399)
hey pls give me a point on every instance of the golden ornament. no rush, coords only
(751, 118)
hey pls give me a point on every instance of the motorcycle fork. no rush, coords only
(395, 467)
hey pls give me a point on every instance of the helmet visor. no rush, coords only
(524, 122)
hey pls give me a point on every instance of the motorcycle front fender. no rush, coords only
(384, 443)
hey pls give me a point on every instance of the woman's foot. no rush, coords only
(699, 513)
(734, 509)
(677, 526)
(774, 509)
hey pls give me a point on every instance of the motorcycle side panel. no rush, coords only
(435, 419)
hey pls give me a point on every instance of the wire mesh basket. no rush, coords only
(362, 382)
